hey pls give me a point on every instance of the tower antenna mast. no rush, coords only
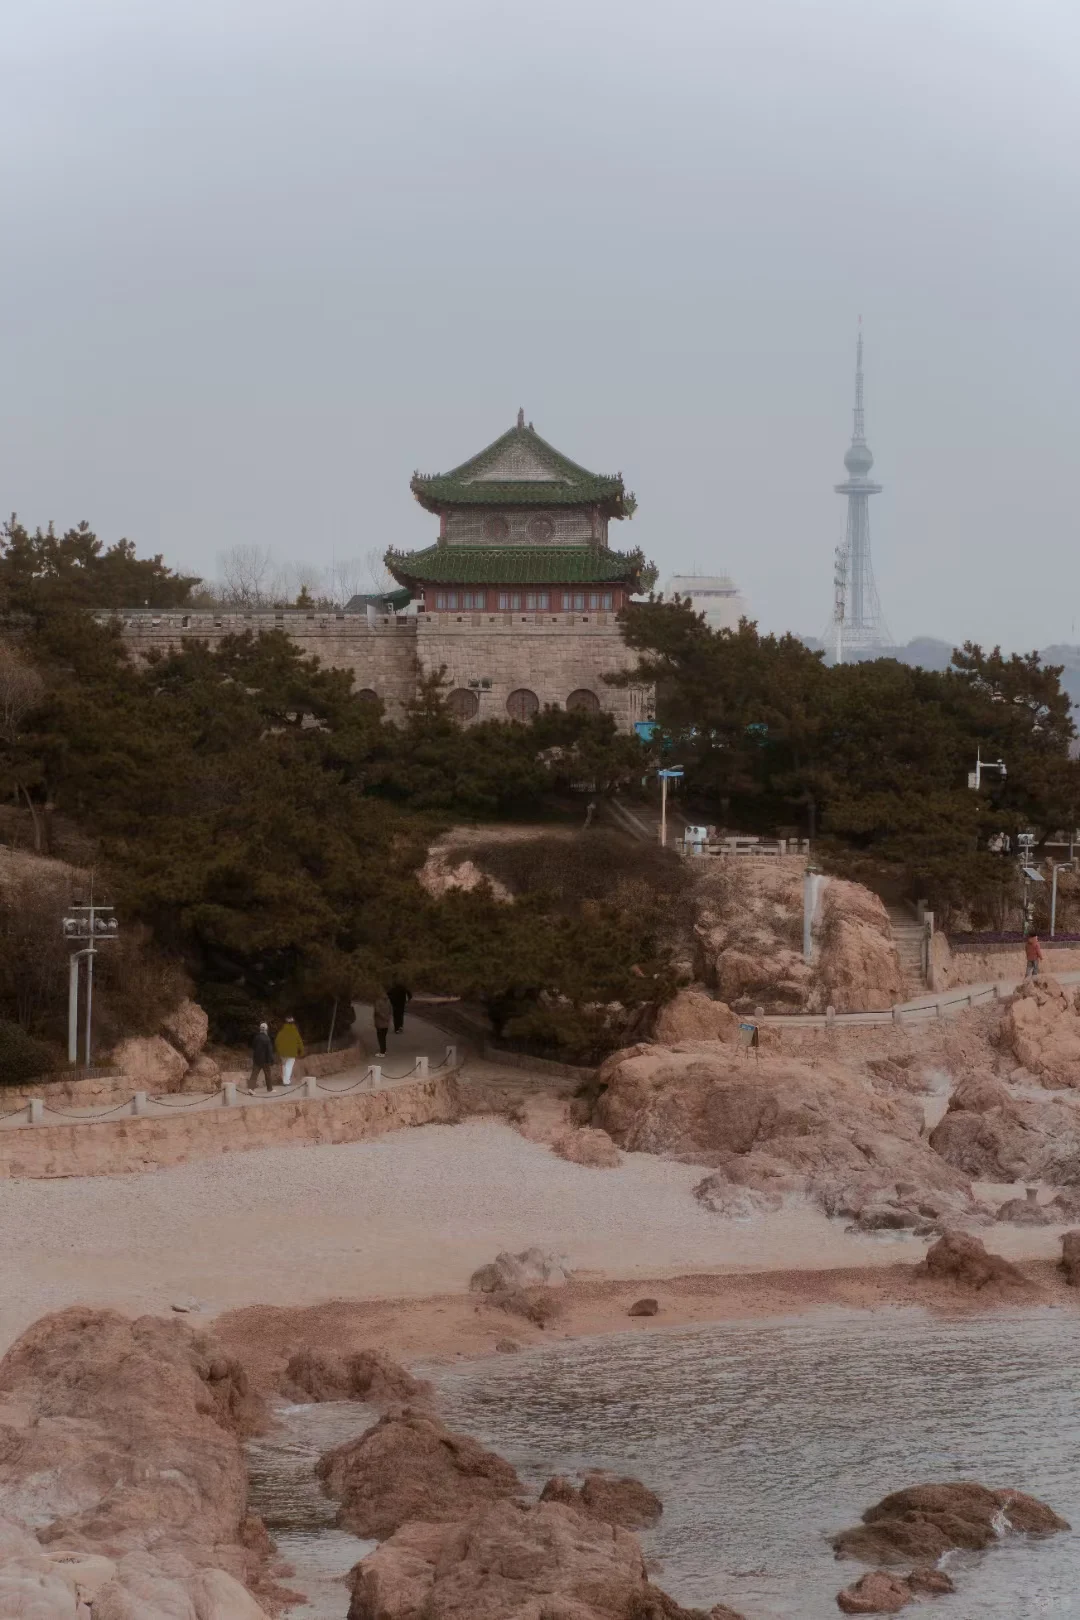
(858, 627)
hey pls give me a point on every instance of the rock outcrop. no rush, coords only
(857, 965)
(587, 1146)
(881, 1592)
(613, 1498)
(925, 1521)
(123, 1444)
(991, 1135)
(1041, 1027)
(775, 1125)
(693, 1015)
(365, 1375)
(512, 1562)
(1027, 1211)
(410, 1466)
(532, 1268)
(186, 1028)
(150, 1063)
(960, 1258)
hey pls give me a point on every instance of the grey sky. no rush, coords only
(262, 258)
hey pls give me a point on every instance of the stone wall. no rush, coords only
(550, 655)
(116, 1147)
(381, 653)
(950, 968)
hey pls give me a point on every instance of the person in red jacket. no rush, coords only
(1033, 952)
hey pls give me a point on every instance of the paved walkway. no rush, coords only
(418, 1039)
(933, 1005)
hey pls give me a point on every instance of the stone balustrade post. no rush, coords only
(138, 1103)
(422, 1065)
(374, 1074)
(830, 1017)
(451, 1057)
(228, 1098)
(896, 1015)
(37, 1111)
(310, 1085)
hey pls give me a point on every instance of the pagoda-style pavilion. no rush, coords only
(521, 528)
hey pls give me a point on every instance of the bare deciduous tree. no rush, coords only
(246, 576)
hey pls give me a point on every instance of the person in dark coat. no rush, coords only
(262, 1058)
(398, 996)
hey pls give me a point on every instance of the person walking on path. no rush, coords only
(397, 995)
(1033, 952)
(289, 1047)
(262, 1058)
(382, 1013)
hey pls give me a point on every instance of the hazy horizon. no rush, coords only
(263, 261)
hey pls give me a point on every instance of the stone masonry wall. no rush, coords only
(551, 655)
(381, 655)
(548, 654)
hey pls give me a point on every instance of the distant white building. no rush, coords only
(715, 595)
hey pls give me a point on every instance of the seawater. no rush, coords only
(764, 1440)
(285, 1491)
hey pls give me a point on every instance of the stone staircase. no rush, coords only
(908, 936)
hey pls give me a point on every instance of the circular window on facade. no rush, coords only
(583, 701)
(541, 528)
(367, 695)
(462, 703)
(496, 527)
(522, 704)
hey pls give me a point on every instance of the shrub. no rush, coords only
(21, 1056)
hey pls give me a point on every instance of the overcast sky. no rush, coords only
(261, 259)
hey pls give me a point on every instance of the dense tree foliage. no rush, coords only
(266, 826)
(875, 756)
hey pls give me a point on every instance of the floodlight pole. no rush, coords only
(663, 812)
(73, 1008)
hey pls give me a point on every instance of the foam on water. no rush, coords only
(763, 1440)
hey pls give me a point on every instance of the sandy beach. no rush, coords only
(389, 1232)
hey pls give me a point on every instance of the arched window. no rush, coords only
(462, 703)
(522, 704)
(367, 695)
(583, 701)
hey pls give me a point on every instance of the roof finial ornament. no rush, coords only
(521, 416)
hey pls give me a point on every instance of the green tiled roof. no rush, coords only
(513, 565)
(565, 483)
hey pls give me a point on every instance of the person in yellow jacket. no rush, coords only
(288, 1046)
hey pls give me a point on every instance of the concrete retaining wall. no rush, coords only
(116, 1147)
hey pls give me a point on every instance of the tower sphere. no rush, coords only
(858, 460)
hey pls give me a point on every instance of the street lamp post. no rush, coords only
(96, 924)
(1058, 866)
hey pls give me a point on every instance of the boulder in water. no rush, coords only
(365, 1375)
(881, 1592)
(508, 1561)
(615, 1499)
(411, 1466)
(532, 1268)
(925, 1521)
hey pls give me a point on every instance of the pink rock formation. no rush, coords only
(365, 1375)
(693, 1015)
(960, 1258)
(411, 1466)
(615, 1499)
(927, 1520)
(773, 1123)
(587, 1146)
(150, 1063)
(857, 965)
(881, 1592)
(125, 1444)
(1041, 1026)
(511, 1562)
(992, 1136)
(186, 1028)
